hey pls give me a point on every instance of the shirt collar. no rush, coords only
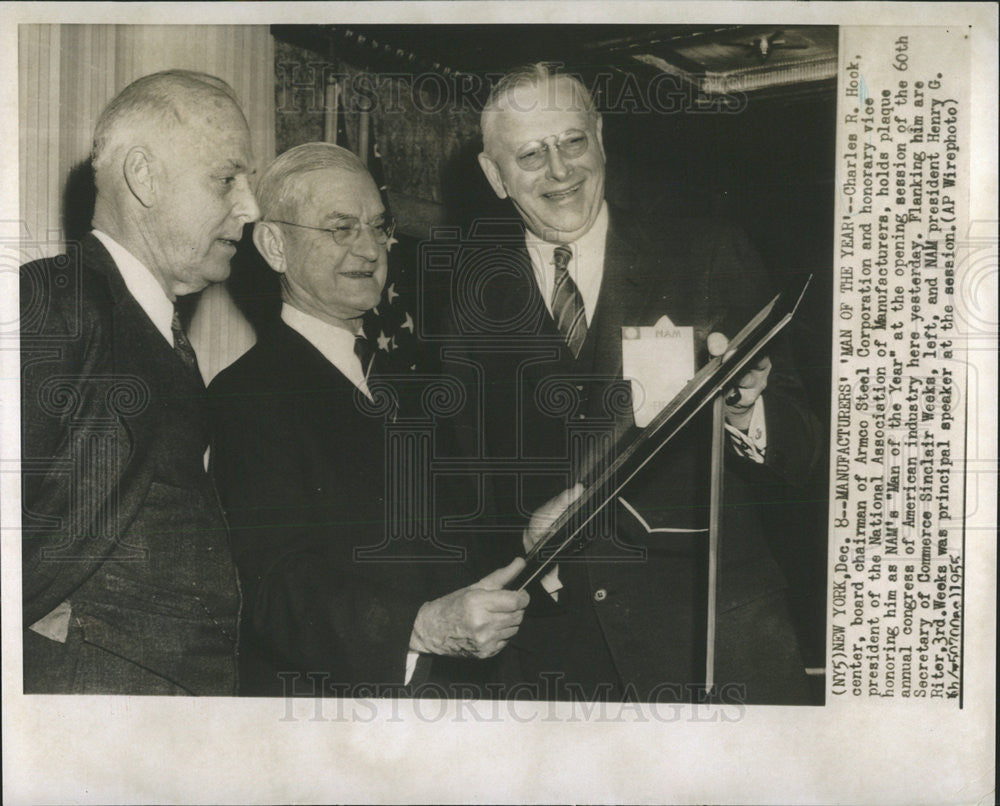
(586, 267)
(142, 285)
(335, 343)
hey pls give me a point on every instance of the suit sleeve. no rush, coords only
(306, 601)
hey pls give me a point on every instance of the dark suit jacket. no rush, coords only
(120, 518)
(631, 614)
(303, 477)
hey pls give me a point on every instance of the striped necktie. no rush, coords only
(567, 302)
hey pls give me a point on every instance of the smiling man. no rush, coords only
(624, 617)
(300, 459)
(550, 124)
(128, 583)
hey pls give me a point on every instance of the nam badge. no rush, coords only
(657, 361)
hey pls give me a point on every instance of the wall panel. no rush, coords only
(38, 144)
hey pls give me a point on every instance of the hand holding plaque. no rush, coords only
(634, 451)
(740, 399)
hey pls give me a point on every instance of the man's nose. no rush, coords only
(557, 168)
(245, 203)
(365, 246)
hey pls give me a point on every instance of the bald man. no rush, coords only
(128, 582)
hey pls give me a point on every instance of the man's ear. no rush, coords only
(600, 136)
(138, 170)
(270, 242)
(492, 172)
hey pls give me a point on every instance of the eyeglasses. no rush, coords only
(347, 229)
(570, 144)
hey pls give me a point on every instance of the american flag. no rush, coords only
(391, 326)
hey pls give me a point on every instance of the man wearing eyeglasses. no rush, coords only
(624, 618)
(300, 461)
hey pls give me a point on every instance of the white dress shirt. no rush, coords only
(586, 267)
(142, 285)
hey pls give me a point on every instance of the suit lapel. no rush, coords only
(619, 302)
(663, 274)
(521, 301)
(139, 350)
(639, 285)
(642, 282)
(138, 343)
(304, 364)
(323, 395)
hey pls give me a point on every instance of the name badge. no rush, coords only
(657, 361)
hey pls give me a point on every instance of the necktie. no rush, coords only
(567, 302)
(182, 346)
(366, 355)
(363, 350)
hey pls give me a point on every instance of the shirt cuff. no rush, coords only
(753, 444)
(411, 666)
(552, 584)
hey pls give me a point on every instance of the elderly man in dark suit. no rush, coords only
(128, 582)
(333, 604)
(625, 617)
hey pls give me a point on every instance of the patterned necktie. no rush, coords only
(567, 302)
(182, 346)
